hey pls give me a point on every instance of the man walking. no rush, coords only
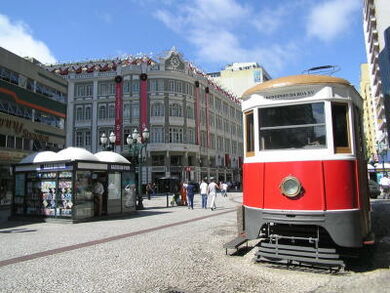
(203, 192)
(212, 189)
(224, 188)
(191, 194)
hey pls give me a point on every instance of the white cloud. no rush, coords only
(329, 19)
(17, 38)
(212, 26)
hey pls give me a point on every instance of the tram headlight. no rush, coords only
(290, 186)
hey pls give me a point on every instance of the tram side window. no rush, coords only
(340, 120)
(293, 127)
(249, 134)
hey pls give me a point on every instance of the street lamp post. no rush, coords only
(137, 145)
(108, 142)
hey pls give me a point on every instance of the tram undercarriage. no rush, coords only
(299, 245)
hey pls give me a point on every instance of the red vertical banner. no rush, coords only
(207, 90)
(197, 112)
(143, 106)
(118, 108)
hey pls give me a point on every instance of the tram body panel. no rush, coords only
(327, 185)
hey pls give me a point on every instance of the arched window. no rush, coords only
(79, 113)
(87, 113)
(102, 112)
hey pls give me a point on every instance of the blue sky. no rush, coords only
(285, 36)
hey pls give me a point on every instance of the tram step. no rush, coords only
(235, 243)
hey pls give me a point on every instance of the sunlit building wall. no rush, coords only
(376, 18)
(238, 77)
(369, 117)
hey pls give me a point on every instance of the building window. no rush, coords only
(158, 160)
(212, 141)
(190, 112)
(220, 143)
(135, 111)
(190, 135)
(175, 135)
(171, 85)
(157, 135)
(3, 140)
(176, 160)
(87, 113)
(211, 120)
(79, 113)
(126, 111)
(26, 144)
(175, 110)
(126, 86)
(106, 88)
(203, 138)
(19, 143)
(153, 85)
(102, 112)
(10, 141)
(88, 139)
(111, 111)
(83, 90)
(157, 110)
(79, 138)
(135, 86)
(227, 145)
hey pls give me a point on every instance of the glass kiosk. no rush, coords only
(64, 188)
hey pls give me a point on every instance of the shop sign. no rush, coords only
(93, 166)
(291, 95)
(18, 129)
(47, 167)
(11, 157)
(120, 167)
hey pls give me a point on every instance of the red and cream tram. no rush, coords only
(304, 173)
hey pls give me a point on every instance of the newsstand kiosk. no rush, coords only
(61, 185)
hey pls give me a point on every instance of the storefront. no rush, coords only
(63, 185)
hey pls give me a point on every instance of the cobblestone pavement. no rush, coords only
(166, 250)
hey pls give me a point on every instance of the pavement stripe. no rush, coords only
(50, 252)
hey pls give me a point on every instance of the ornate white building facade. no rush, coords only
(195, 125)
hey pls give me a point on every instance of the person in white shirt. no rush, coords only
(203, 192)
(212, 189)
(224, 188)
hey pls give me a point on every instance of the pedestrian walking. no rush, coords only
(191, 194)
(224, 188)
(183, 194)
(203, 192)
(212, 190)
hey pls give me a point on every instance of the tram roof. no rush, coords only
(292, 80)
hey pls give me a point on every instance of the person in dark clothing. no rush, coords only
(190, 194)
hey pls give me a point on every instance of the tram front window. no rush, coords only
(292, 127)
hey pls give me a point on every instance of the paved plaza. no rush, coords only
(159, 249)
